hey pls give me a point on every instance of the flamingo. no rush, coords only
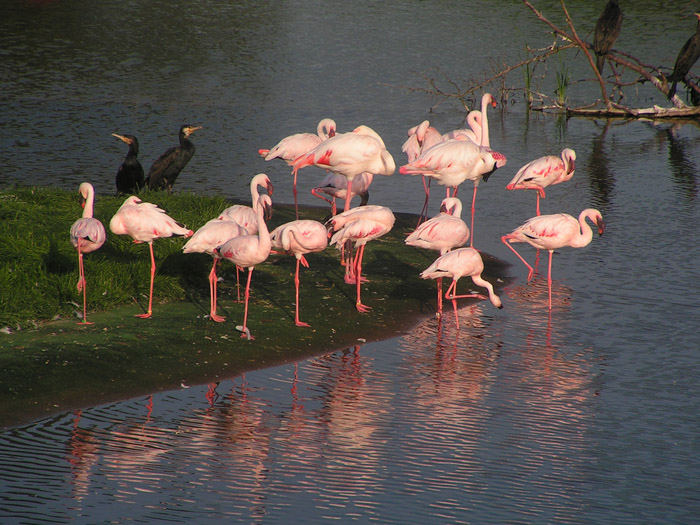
(336, 186)
(245, 215)
(299, 238)
(443, 232)
(360, 225)
(247, 251)
(549, 232)
(293, 146)
(421, 138)
(214, 233)
(145, 222)
(87, 234)
(543, 172)
(350, 154)
(478, 122)
(460, 263)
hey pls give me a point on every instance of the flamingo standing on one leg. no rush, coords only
(144, 222)
(549, 232)
(460, 263)
(543, 172)
(87, 234)
(336, 187)
(247, 251)
(421, 138)
(350, 154)
(299, 238)
(360, 225)
(213, 234)
(290, 148)
(443, 232)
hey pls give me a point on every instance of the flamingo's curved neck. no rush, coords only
(586, 234)
(485, 121)
(89, 205)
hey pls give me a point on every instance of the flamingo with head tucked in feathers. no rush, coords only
(460, 263)
(247, 251)
(543, 172)
(350, 154)
(299, 238)
(290, 148)
(87, 234)
(145, 222)
(549, 232)
(421, 138)
(359, 225)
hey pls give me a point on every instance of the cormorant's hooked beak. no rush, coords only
(122, 138)
(191, 129)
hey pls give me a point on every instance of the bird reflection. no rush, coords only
(83, 455)
(601, 178)
(682, 169)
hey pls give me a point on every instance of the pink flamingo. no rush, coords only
(247, 251)
(213, 234)
(460, 263)
(443, 232)
(246, 215)
(474, 121)
(299, 238)
(336, 186)
(87, 234)
(421, 138)
(549, 232)
(543, 172)
(144, 222)
(349, 155)
(293, 146)
(360, 225)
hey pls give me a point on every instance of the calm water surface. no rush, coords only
(585, 415)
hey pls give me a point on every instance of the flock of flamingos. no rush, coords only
(240, 234)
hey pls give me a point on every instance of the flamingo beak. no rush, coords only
(268, 212)
(601, 225)
(270, 188)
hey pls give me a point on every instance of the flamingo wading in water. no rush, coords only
(443, 232)
(299, 238)
(145, 222)
(460, 263)
(87, 234)
(543, 172)
(549, 232)
(290, 148)
(247, 251)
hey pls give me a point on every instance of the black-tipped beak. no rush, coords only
(601, 226)
(270, 188)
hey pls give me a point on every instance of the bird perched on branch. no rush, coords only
(607, 29)
(168, 166)
(687, 56)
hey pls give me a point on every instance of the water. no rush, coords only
(585, 415)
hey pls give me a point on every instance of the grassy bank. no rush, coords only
(48, 362)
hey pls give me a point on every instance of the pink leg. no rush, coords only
(297, 321)
(246, 333)
(424, 211)
(531, 272)
(82, 285)
(238, 285)
(549, 278)
(538, 204)
(358, 273)
(150, 293)
(294, 189)
(452, 295)
(439, 298)
(212, 293)
(471, 236)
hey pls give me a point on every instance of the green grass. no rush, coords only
(50, 362)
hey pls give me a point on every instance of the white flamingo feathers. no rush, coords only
(349, 155)
(549, 232)
(205, 240)
(145, 222)
(461, 263)
(299, 238)
(421, 138)
(290, 148)
(543, 172)
(87, 234)
(360, 225)
(443, 232)
(247, 251)
(246, 215)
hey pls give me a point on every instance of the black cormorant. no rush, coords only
(165, 170)
(130, 173)
(688, 55)
(607, 29)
